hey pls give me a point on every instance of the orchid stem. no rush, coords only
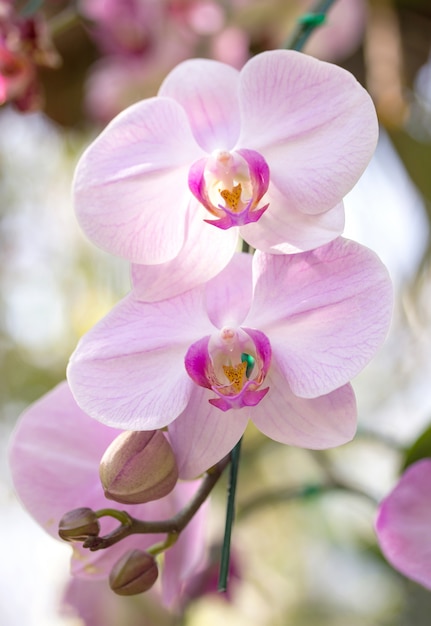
(307, 23)
(230, 514)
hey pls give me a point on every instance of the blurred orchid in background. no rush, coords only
(403, 523)
(55, 455)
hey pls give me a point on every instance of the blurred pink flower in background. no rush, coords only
(25, 43)
(129, 27)
(404, 521)
(309, 122)
(276, 343)
(54, 457)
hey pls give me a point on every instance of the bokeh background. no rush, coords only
(304, 554)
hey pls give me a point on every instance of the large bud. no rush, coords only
(78, 525)
(138, 467)
(134, 573)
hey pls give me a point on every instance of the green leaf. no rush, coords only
(420, 449)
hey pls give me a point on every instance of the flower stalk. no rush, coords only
(230, 514)
(172, 526)
(306, 25)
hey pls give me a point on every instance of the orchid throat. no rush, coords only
(233, 363)
(230, 185)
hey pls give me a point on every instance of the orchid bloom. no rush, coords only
(272, 338)
(54, 458)
(25, 43)
(267, 152)
(404, 521)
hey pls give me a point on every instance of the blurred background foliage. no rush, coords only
(303, 540)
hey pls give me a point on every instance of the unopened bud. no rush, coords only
(134, 573)
(78, 525)
(138, 467)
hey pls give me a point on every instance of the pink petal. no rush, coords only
(282, 229)
(207, 90)
(49, 476)
(128, 371)
(188, 554)
(325, 312)
(229, 294)
(404, 521)
(54, 458)
(130, 185)
(316, 423)
(312, 121)
(206, 251)
(202, 435)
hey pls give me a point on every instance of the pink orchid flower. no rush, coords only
(267, 152)
(272, 338)
(54, 457)
(404, 521)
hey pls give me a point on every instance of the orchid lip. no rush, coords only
(233, 363)
(230, 185)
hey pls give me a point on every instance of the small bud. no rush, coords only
(138, 467)
(134, 573)
(78, 525)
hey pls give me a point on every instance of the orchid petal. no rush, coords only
(202, 435)
(188, 553)
(205, 252)
(283, 230)
(317, 423)
(403, 524)
(313, 122)
(54, 457)
(326, 313)
(207, 90)
(49, 431)
(229, 294)
(128, 371)
(131, 179)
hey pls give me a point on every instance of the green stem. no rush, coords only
(230, 514)
(307, 24)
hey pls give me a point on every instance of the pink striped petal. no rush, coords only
(404, 521)
(188, 554)
(130, 186)
(317, 423)
(202, 435)
(313, 122)
(284, 230)
(205, 252)
(128, 371)
(207, 90)
(327, 312)
(229, 294)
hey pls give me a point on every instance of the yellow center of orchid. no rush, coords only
(232, 198)
(236, 375)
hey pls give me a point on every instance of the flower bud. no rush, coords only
(78, 525)
(138, 467)
(134, 573)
